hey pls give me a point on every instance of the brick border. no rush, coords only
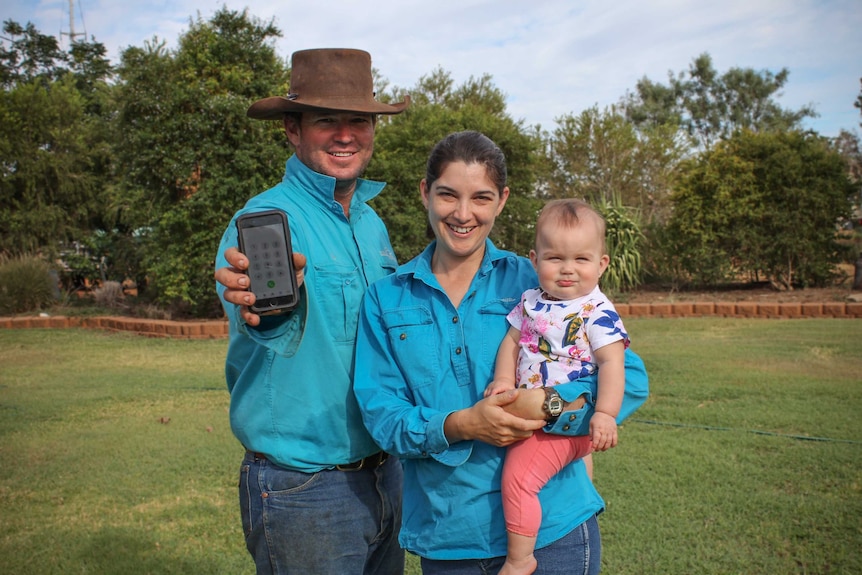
(199, 329)
(850, 310)
(217, 329)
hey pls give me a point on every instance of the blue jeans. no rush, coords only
(578, 553)
(333, 522)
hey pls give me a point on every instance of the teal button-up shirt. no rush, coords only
(290, 378)
(418, 360)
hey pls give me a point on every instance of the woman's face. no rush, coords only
(462, 205)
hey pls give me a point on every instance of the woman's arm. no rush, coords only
(399, 422)
(489, 421)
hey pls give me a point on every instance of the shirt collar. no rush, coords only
(322, 187)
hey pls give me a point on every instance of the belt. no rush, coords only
(369, 462)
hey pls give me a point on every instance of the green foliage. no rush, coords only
(143, 170)
(402, 146)
(764, 205)
(624, 240)
(29, 55)
(601, 157)
(102, 256)
(50, 158)
(710, 107)
(846, 144)
(27, 283)
(53, 156)
(190, 154)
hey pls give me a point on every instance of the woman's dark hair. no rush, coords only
(469, 147)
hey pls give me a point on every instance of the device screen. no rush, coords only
(268, 266)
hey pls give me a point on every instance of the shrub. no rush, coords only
(624, 240)
(109, 295)
(26, 284)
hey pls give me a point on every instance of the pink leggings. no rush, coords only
(529, 465)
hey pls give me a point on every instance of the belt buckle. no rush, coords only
(364, 462)
(355, 466)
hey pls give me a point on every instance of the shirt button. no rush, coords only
(455, 319)
(566, 427)
(457, 351)
(403, 336)
(573, 417)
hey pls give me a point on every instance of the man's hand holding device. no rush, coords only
(263, 276)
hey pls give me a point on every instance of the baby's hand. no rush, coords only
(496, 387)
(603, 431)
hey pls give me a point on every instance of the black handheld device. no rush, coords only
(264, 237)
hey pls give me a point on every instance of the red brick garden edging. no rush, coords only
(771, 310)
(196, 329)
(215, 329)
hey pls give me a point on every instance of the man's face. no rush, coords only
(336, 144)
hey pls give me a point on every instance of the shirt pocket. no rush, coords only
(340, 290)
(414, 343)
(494, 326)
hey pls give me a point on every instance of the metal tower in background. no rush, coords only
(71, 33)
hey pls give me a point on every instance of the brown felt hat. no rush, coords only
(336, 79)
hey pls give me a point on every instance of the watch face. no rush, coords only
(555, 406)
(553, 403)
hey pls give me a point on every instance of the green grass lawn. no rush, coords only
(713, 474)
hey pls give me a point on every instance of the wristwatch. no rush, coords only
(553, 405)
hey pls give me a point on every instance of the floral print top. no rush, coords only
(558, 337)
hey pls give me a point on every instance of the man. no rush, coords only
(317, 495)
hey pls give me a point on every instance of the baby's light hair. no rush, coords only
(568, 212)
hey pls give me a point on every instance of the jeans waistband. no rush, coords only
(370, 462)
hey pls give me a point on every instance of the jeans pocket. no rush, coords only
(275, 480)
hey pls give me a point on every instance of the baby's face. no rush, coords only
(569, 259)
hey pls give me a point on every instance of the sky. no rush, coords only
(549, 57)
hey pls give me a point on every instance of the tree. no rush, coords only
(710, 106)
(30, 55)
(763, 205)
(403, 144)
(189, 155)
(54, 165)
(858, 102)
(601, 157)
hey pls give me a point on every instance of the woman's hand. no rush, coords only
(489, 422)
(237, 283)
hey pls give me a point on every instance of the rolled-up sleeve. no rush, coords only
(577, 422)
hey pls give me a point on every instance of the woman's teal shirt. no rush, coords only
(418, 359)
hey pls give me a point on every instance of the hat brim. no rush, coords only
(274, 107)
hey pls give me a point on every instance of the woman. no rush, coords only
(426, 347)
